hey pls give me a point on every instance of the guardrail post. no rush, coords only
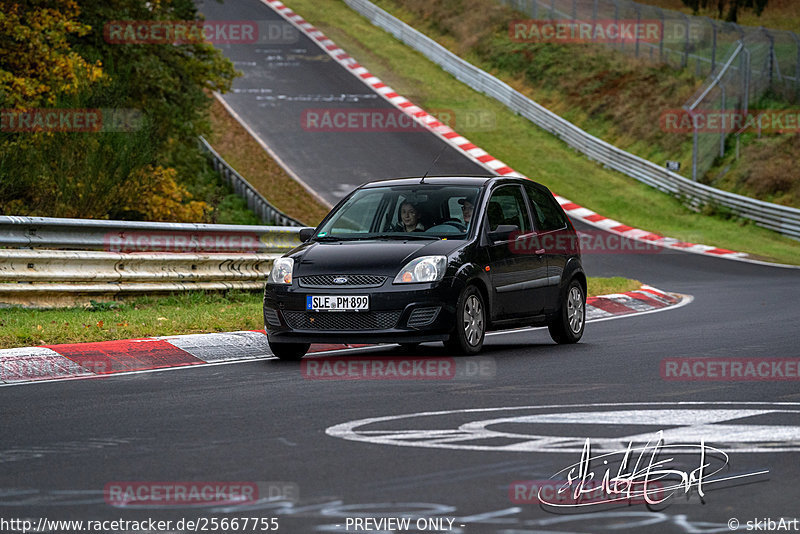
(685, 60)
(746, 79)
(771, 60)
(722, 131)
(638, 22)
(797, 67)
(713, 45)
(695, 143)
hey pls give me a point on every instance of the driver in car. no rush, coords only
(466, 209)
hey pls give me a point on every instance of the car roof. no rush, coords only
(432, 180)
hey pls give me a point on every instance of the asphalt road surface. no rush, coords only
(464, 442)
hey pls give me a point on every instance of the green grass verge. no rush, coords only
(532, 151)
(190, 313)
(615, 284)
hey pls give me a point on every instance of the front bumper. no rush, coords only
(398, 313)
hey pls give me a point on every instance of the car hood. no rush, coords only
(379, 256)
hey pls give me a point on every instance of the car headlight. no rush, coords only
(424, 269)
(281, 272)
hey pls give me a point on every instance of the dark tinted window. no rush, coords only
(548, 214)
(507, 206)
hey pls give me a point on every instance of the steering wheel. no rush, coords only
(455, 223)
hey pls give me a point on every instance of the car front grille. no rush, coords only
(353, 280)
(423, 316)
(342, 320)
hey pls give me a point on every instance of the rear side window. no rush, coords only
(548, 214)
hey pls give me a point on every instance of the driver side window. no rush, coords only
(507, 206)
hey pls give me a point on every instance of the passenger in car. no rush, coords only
(409, 219)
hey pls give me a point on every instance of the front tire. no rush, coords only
(289, 351)
(568, 325)
(467, 338)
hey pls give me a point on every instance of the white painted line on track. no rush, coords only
(683, 421)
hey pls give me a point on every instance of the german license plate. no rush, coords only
(337, 302)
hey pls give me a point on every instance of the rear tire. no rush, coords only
(289, 351)
(467, 338)
(568, 325)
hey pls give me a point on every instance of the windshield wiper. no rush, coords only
(410, 235)
(335, 238)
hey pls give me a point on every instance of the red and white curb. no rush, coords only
(82, 360)
(479, 155)
(642, 300)
(90, 360)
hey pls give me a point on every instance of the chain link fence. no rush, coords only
(741, 63)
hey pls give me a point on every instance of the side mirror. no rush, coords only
(306, 233)
(503, 232)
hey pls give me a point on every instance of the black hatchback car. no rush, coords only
(440, 258)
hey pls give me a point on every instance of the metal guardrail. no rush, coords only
(266, 212)
(140, 236)
(779, 218)
(51, 262)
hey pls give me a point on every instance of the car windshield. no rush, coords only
(419, 211)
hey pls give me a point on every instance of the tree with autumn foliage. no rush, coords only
(37, 62)
(53, 54)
